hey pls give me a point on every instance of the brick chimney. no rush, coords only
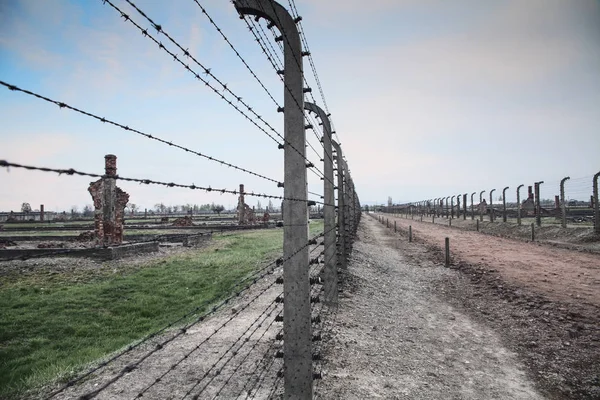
(110, 164)
(530, 192)
(41, 212)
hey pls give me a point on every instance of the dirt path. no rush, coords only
(557, 336)
(395, 339)
(560, 274)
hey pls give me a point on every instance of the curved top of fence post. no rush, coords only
(276, 14)
(311, 107)
(338, 150)
(566, 178)
(505, 189)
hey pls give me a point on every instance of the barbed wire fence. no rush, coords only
(566, 203)
(273, 358)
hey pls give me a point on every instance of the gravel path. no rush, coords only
(394, 338)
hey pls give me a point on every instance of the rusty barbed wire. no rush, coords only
(127, 128)
(72, 171)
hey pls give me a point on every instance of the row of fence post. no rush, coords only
(297, 321)
(444, 206)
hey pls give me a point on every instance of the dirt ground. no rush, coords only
(559, 274)
(405, 328)
(555, 336)
(395, 338)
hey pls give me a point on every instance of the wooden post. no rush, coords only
(447, 252)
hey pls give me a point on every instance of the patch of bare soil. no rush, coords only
(396, 337)
(543, 301)
(560, 274)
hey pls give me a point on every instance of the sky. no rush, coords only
(428, 98)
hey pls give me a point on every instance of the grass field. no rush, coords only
(52, 325)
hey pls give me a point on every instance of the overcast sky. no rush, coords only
(429, 98)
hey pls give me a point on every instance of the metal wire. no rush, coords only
(72, 171)
(127, 128)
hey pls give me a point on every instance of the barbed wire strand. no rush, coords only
(130, 367)
(229, 349)
(252, 25)
(243, 360)
(295, 14)
(275, 383)
(262, 365)
(173, 366)
(127, 128)
(212, 21)
(207, 71)
(72, 171)
(255, 278)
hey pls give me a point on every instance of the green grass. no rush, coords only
(54, 324)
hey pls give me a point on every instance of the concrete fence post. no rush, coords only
(477, 225)
(447, 245)
(492, 205)
(481, 205)
(519, 204)
(563, 205)
(452, 206)
(538, 207)
(330, 277)
(472, 206)
(596, 206)
(297, 346)
(532, 232)
(447, 210)
(341, 222)
(465, 207)
(504, 204)
(410, 234)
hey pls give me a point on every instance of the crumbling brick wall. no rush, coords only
(245, 214)
(109, 204)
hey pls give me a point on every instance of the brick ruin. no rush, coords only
(528, 206)
(245, 214)
(109, 203)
